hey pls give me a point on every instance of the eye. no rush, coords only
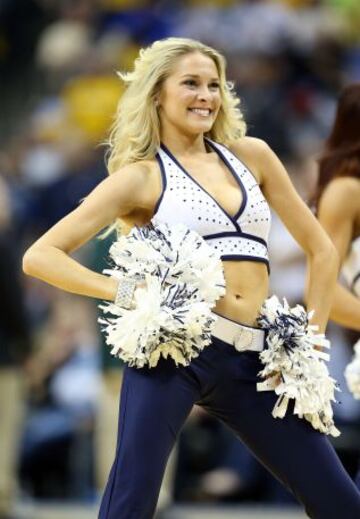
(189, 82)
(214, 85)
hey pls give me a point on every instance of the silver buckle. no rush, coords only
(243, 339)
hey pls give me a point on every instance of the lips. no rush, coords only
(203, 112)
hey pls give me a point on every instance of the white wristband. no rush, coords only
(125, 293)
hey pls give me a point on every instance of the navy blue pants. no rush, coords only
(155, 404)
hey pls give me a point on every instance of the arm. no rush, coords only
(322, 261)
(49, 257)
(337, 212)
(345, 309)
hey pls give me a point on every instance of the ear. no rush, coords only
(157, 103)
(157, 97)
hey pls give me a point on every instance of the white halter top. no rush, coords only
(243, 236)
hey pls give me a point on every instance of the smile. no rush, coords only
(203, 112)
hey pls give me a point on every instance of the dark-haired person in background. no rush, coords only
(338, 200)
(14, 348)
(338, 205)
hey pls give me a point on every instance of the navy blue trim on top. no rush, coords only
(232, 219)
(355, 280)
(235, 175)
(237, 158)
(238, 234)
(163, 183)
(243, 257)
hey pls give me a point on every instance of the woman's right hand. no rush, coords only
(127, 301)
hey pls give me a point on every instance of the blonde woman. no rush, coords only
(178, 150)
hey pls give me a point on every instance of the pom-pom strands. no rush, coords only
(172, 315)
(293, 366)
(352, 373)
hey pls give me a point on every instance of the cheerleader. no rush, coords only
(178, 151)
(338, 206)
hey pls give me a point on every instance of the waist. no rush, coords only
(247, 287)
(241, 336)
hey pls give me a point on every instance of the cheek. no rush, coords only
(186, 98)
(217, 99)
(176, 101)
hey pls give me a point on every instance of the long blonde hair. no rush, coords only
(135, 134)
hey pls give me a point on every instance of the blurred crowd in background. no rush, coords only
(58, 92)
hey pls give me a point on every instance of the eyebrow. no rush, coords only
(197, 76)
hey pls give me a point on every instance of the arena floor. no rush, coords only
(53, 511)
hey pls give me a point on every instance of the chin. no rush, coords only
(201, 128)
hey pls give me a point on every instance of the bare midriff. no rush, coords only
(247, 285)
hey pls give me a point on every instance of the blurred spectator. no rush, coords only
(63, 379)
(261, 81)
(248, 26)
(14, 349)
(91, 101)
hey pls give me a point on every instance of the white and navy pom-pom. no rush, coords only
(172, 315)
(294, 365)
(352, 372)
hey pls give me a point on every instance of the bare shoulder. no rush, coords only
(343, 185)
(342, 194)
(251, 144)
(136, 184)
(135, 174)
(253, 152)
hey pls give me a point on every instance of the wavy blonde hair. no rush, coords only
(135, 134)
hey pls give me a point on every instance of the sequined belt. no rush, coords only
(242, 337)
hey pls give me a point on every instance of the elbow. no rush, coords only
(328, 257)
(29, 262)
(333, 256)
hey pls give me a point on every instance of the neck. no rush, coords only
(181, 144)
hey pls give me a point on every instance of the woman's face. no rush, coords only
(190, 99)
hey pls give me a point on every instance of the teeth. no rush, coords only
(201, 111)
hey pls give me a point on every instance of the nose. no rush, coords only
(204, 93)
